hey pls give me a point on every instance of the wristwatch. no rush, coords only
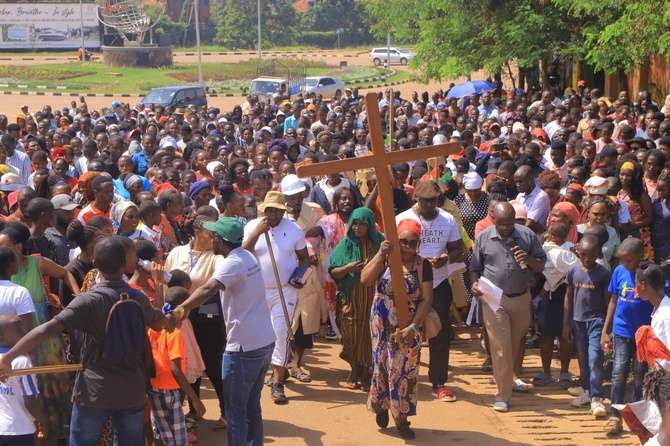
(179, 310)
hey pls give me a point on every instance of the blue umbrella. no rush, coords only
(467, 88)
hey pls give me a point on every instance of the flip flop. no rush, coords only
(543, 379)
(351, 385)
(521, 386)
(221, 424)
(300, 375)
(565, 380)
(446, 395)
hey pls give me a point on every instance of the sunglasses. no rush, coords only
(503, 179)
(404, 243)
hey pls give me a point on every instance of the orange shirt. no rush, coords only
(243, 192)
(166, 347)
(91, 211)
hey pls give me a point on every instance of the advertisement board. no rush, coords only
(47, 25)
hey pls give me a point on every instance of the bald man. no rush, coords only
(508, 255)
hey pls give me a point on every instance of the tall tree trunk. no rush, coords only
(623, 80)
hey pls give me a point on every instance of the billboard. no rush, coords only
(47, 25)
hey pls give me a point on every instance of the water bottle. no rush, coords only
(146, 266)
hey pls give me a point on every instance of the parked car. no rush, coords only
(398, 55)
(324, 85)
(177, 97)
(265, 87)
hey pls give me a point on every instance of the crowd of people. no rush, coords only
(558, 200)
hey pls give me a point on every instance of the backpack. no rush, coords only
(125, 333)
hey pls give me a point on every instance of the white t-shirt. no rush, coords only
(660, 324)
(330, 190)
(653, 441)
(15, 299)
(14, 417)
(435, 234)
(245, 311)
(286, 239)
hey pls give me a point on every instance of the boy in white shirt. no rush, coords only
(18, 394)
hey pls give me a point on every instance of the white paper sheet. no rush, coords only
(491, 293)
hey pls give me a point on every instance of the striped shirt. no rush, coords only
(21, 161)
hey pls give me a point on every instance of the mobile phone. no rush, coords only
(499, 147)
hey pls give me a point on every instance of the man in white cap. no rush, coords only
(290, 250)
(311, 308)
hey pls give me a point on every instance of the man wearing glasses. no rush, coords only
(442, 245)
(508, 255)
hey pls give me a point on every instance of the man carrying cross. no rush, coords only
(442, 245)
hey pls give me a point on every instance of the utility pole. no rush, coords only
(260, 51)
(197, 40)
(388, 50)
(83, 45)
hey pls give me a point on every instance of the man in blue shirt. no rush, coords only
(142, 160)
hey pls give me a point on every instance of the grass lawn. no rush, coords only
(93, 77)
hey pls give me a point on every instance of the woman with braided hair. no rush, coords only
(639, 205)
(657, 389)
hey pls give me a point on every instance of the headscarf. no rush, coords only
(130, 180)
(349, 249)
(213, 165)
(570, 211)
(409, 225)
(86, 180)
(472, 181)
(117, 211)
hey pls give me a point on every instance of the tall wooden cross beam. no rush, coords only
(381, 162)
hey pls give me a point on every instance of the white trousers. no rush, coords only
(283, 342)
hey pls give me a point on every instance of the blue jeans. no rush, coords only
(87, 424)
(17, 440)
(586, 337)
(243, 380)
(624, 353)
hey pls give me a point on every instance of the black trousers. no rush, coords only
(438, 367)
(211, 337)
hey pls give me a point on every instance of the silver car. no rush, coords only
(324, 85)
(398, 55)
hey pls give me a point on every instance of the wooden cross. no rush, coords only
(381, 162)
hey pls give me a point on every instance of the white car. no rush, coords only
(398, 55)
(324, 85)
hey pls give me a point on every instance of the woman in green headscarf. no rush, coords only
(355, 300)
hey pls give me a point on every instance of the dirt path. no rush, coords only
(325, 413)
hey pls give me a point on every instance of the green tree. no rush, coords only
(350, 16)
(616, 36)
(236, 22)
(456, 37)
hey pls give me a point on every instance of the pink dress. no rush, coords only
(334, 229)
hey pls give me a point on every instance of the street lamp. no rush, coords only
(83, 45)
(197, 40)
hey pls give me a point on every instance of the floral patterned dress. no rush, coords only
(396, 368)
(334, 229)
(637, 214)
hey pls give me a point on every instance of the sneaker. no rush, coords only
(575, 391)
(330, 335)
(277, 394)
(582, 400)
(597, 407)
(501, 406)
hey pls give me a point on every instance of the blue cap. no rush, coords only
(116, 104)
(197, 187)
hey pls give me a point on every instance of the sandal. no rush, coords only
(445, 395)
(382, 419)
(521, 386)
(613, 426)
(406, 433)
(543, 379)
(565, 380)
(300, 375)
(221, 424)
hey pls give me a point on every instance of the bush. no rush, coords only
(321, 39)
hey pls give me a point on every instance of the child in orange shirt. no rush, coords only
(167, 415)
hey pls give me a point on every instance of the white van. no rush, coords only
(398, 55)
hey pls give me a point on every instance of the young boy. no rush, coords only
(583, 317)
(18, 394)
(650, 287)
(150, 211)
(167, 415)
(609, 244)
(96, 391)
(39, 161)
(626, 313)
(550, 307)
